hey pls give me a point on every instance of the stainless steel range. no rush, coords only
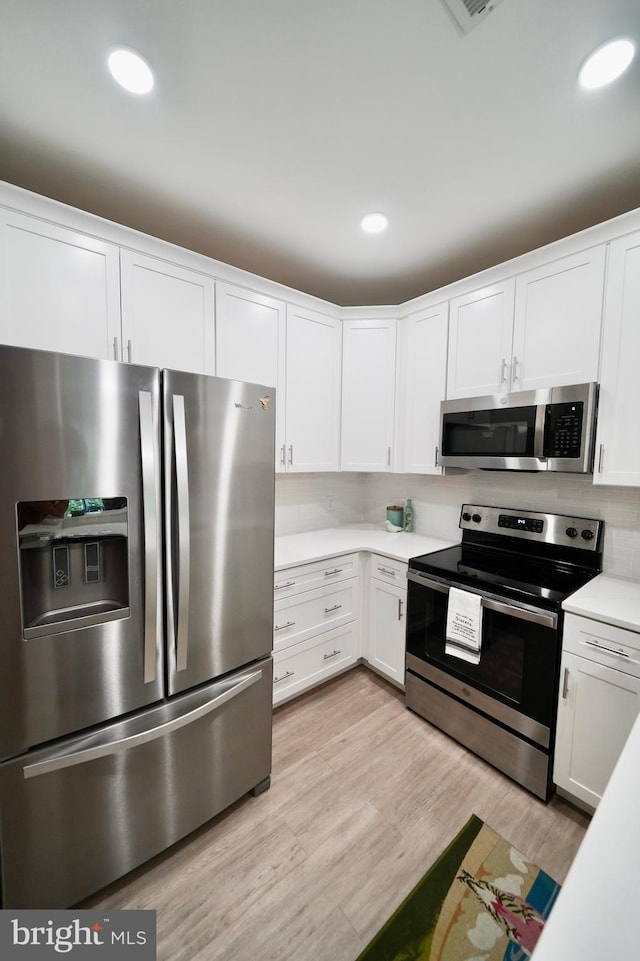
(484, 633)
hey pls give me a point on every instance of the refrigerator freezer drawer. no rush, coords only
(75, 818)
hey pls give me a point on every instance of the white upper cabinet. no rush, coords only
(422, 368)
(312, 429)
(539, 329)
(59, 289)
(617, 437)
(368, 394)
(480, 337)
(251, 344)
(167, 314)
(250, 336)
(558, 317)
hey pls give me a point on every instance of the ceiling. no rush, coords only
(275, 125)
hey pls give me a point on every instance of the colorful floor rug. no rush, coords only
(481, 901)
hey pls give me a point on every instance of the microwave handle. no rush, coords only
(538, 435)
(490, 603)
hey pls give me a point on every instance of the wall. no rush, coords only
(303, 503)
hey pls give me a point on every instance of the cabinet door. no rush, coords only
(558, 317)
(386, 629)
(597, 709)
(59, 289)
(480, 336)
(368, 394)
(250, 345)
(312, 391)
(617, 446)
(422, 375)
(167, 314)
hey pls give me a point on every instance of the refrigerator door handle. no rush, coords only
(150, 526)
(85, 755)
(184, 547)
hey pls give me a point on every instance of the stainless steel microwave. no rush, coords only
(551, 429)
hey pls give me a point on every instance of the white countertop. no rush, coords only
(295, 549)
(594, 917)
(615, 600)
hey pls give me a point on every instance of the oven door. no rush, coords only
(515, 681)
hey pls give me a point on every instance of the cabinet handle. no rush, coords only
(503, 372)
(329, 610)
(115, 349)
(515, 368)
(336, 570)
(281, 587)
(386, 570)
(283, 677)
(435, 460)
(129, 352)
(283, 458)
(400, 602)
(388, 457)
(600, 458)
(281, 627)
(291, 455)
(333, 654)
(565, 684)
(608, 650)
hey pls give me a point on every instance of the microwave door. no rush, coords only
(491, 434)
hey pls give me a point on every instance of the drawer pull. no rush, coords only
(607, 650)
(281, 627)
(283, 677)
(336, 570)
(333, 654)
(281, 587)
(387, 570)
(329, 610)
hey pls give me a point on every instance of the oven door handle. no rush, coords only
(545, 618)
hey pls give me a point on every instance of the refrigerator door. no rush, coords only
(77, 816)
(80, 603)
(219, 501)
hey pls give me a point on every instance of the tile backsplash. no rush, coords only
(306, 502)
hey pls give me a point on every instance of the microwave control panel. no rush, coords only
(563, 429)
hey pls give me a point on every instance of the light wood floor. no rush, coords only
(364, 797)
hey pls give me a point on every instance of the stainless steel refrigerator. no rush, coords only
(136, 595)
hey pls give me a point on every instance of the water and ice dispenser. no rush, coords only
(73, 563)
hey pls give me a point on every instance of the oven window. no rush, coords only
(481, 433)
(518, 659)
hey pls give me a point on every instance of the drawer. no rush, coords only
(310, 662)
(387, 570)
(306, 577)
(296, 618)
(603, 643)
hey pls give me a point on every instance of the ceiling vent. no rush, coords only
(469, 13)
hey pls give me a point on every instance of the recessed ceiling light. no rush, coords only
(606, 64)
(130, 70)
(374, 223)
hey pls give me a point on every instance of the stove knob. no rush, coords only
(571, 532)
(466, 516)
(587, 535)
(476, 518)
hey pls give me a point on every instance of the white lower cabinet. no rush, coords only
(316, 623)
(306, 664)
(386, 617)
(598, 705)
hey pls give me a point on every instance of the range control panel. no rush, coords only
(580, 532)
